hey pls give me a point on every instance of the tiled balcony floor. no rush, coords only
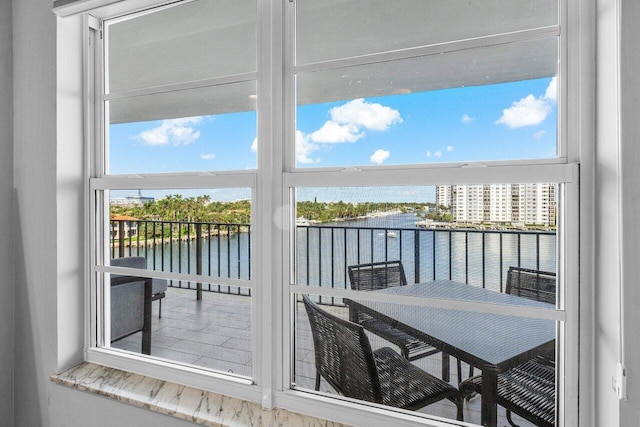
(216, 333)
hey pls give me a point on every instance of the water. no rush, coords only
(474, 257)
(324, 252)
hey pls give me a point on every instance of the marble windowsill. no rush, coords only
(190, 404)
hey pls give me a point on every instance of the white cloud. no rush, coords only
(539, 134)
(466, 119)
(379, 156)
(367, 115)
(526, 112)
(173, 131)
(438, 153)
(552, 90)
(333, 132)
(254, 145)
(304, 148)
(530, 111)
(349, 122)
(207, 156)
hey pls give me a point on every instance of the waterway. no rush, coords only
(324, 251)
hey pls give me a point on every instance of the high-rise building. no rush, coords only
(531, 204)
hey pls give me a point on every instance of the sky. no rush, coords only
(510, 121)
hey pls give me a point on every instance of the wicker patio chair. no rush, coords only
(381, 275)
(343, 357)
(159, 288)
(529, 389)
(532, 284)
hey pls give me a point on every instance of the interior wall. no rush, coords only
(630, 137)
(34, 225)
(617, 204)
(6, 205)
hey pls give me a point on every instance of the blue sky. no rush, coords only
(509, 121)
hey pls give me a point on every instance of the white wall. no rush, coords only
(35, 209)
(630, 155)
(617, 245)
(6, 197)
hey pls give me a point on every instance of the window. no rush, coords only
(241, 166)
(175, 183)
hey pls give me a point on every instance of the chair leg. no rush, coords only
(510, 420)
(160, 308)
(317, 381)
(459, 415)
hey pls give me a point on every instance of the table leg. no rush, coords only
(146, 328)
(489, 408)
(446, 370)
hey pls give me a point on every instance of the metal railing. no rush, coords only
(323, 252)
(478, 257)
(218, 250)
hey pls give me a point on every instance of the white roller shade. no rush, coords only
(74, 7)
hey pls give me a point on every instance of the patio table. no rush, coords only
(490, 342)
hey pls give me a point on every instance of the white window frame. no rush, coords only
(97, 224)
(563, 170)
(272, 217)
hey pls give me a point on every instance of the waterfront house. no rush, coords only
(129, 226)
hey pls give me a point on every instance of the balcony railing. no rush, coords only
(218, 250)
(323, 252)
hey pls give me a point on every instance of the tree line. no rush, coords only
(176, 208)
(190, 209)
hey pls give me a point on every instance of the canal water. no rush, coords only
(324, 251)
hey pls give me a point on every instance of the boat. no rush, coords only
(302, 221)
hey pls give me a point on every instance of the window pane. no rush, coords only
(212, 128)
(522, 348)
(203, 232)
(191, 41)
(499, 237)
(343, 28)
(495, 103)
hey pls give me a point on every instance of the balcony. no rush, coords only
(210, 325)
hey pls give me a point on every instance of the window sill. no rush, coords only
(187, 403)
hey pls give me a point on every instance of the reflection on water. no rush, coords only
(324, 251)
(480, 258)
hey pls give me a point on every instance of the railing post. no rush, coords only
(416, 256)
(121, 238)
(466, 257)
(199, 259)
(433, 251)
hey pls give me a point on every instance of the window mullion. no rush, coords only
(433, 176)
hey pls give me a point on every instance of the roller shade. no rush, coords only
(74, 7)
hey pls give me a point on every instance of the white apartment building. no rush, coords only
(502, 203)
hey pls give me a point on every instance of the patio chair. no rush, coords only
(532, 284)
(382, 275)
(159, 287)
(131, 308)
(343, 357)
(528, 389)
